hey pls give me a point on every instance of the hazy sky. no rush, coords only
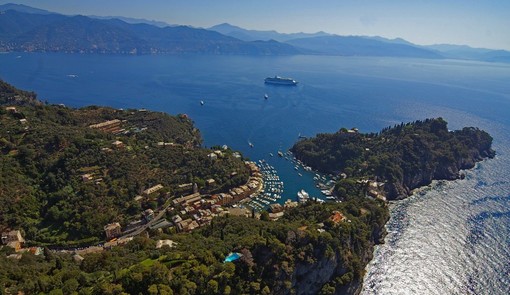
(478, 23)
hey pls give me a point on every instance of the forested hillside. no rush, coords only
(11, 95)
(62, 181)
(305, 253)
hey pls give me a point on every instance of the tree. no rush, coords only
(212, 286)
(70, 286)
(264, 216)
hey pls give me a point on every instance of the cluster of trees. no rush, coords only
(277, 258)
(43, 161)
(405, 156)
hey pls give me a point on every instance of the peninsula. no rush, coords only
(391, 163)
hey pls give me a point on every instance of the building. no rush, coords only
(290, 204)
(112, 126)
(169, 243)
(176, 219)
(112, 230)
(160, 224)
(153, 189)
(148, 215)
(185, 186)
(187, 199)
(337, 217)
(276, 216)
(275, 208)
(78, 258)
(222, 199)
(162, 144)
(87, 177)
(212, 156)
(187, 225)
(13, 239)
(118, 144)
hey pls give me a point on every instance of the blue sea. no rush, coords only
(449, 238)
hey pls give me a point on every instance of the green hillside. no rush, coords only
(62, 181)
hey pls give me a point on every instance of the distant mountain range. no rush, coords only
(470, 53)
(24, 9)
(330, 44)
(23, 28)
(252, 35)
(360, 46)
(20, 31)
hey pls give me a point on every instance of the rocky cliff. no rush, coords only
(463, 149)
(323, 258)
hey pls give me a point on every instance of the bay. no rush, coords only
(449, 239)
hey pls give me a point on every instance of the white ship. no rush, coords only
(280, 81)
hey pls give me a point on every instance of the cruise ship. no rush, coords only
(280, 81)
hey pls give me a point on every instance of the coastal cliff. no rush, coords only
(399, 158)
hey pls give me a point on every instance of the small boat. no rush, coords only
(250, 144)
(300, 174)
(201, 102)
(271, 154)
(280, 154)
(266, 96)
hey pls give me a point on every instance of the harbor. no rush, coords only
(274, 190)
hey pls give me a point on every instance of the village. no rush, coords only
(185, 212)
(179, 214)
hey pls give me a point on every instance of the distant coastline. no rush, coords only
(43, 31)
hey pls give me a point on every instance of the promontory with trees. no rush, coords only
(393, 162)
(66, 172)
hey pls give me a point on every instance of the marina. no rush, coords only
(273, 188)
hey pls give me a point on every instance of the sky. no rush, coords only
(477, 23)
